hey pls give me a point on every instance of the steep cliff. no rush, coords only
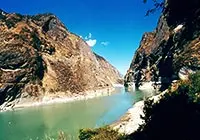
(172, 50)
(109, 70)
(40, 57)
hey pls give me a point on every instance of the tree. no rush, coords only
(175, 117)
(157, 6)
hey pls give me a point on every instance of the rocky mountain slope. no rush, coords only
(172, 50)
(40, 57)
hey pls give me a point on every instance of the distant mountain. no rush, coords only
(172, 51)
(40, 57)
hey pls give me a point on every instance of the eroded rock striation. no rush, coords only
(172, 51)
(40, 57)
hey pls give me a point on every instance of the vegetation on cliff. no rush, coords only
(175, 116)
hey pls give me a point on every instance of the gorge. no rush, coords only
(41, 61)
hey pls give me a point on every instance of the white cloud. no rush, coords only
(105, 43)
(88, 39)
(91, 42)
(90, 35)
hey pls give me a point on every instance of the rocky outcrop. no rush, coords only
(174, 46)
(40, 57)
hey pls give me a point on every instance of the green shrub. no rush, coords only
(104, 133)
(175, 117)
(194, 87)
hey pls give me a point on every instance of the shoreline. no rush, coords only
(61, 98)
(131, 120)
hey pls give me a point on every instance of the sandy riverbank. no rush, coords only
(60, 98)
(131, 120)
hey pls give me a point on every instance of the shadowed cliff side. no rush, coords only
(170, 52)
(40, 57)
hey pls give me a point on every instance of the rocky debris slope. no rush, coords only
(172, 51)
(40, 57)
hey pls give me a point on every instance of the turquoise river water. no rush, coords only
(36, 123)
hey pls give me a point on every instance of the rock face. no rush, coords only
(174, 46)
(39, 57)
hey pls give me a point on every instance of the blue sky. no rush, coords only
(114, 27)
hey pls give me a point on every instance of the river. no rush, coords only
(37, 122)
